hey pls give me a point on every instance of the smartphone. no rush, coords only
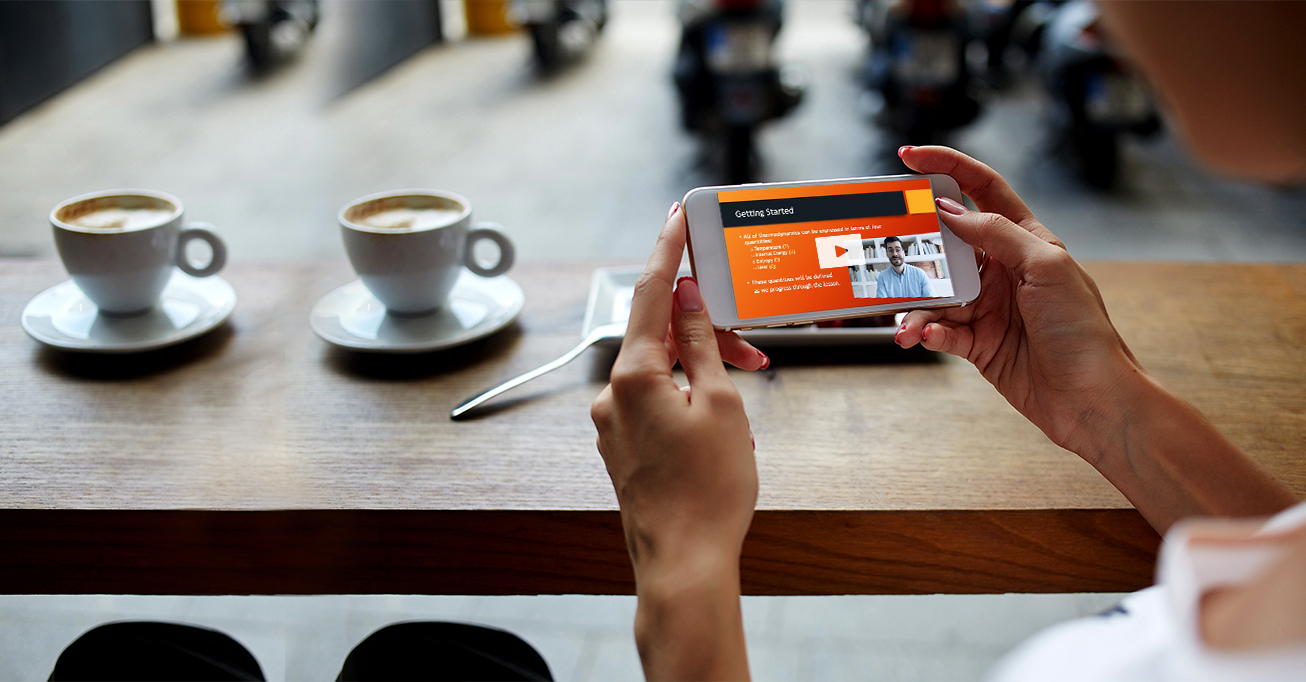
(785, 253)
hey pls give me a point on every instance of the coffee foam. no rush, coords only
(117, 213)
(406, 213)
(121, 219)
(409, 219)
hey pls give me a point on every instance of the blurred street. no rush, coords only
(582, 164)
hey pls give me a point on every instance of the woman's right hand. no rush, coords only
(1039, 331)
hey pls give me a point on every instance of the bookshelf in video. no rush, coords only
(924, 251)
(816, 248)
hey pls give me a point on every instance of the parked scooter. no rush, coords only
(1096, 96)
(992, 26)
(561, 30)
(273, 29)
(727, 78)
(918, 67)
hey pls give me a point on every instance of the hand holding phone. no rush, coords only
(779, 254)
(682, 466)
(1039, 332)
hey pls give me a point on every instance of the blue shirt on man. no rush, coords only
(912, 283)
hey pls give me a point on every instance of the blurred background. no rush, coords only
(575, 124)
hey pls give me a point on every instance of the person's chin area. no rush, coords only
(1275, 165)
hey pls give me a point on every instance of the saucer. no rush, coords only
(63, 317)
(350, 317)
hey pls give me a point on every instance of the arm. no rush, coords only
(681, 462)
(1170, 461)
(688, 624)
(1040, 334)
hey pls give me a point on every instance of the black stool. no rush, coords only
(442, 652)
(154, 652)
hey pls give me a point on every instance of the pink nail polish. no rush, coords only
(766, 362)
(687, 295)
(949, 206)
(674, 207)
(903, 150)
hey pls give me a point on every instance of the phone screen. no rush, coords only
(816, 248)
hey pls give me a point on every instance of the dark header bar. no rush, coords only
(812, 209)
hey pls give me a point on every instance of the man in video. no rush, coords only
(901, 280)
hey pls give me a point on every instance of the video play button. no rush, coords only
(840, 251)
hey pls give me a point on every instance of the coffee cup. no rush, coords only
(409, 246)
(120, 246)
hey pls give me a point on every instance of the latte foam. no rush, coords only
(409, 219)
(120, 219)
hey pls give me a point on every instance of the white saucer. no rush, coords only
(350, 317)
(63, 317)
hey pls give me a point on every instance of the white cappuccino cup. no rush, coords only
(409, 246)
(121, 246)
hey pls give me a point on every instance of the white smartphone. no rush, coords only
(785, 253)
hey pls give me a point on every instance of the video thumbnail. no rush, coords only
(826, 247)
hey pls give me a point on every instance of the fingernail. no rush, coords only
(751, 439)
(766, 362)
(950, 206)
(925, 333)
(674, 207)
(687, 295)
(903, 150)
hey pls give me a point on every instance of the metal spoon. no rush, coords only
(615, 330)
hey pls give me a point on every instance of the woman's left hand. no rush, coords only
(681, 462)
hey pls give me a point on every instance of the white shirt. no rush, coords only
(1153, 635)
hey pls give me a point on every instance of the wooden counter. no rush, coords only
(258, 459)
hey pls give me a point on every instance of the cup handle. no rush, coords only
(201, 231)
(494, 233)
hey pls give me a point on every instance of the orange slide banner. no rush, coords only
(766, 193)
(777, 269)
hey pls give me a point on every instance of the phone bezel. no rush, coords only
(707, 245)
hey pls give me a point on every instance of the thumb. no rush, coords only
(691, 330)
(1012, 245)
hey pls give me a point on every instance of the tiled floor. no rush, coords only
(581, 637)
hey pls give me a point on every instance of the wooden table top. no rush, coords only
(260, 459)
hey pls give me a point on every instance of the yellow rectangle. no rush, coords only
(767, 193)
(919, 200)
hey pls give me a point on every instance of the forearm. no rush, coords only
(688, 624)
(1170, 461)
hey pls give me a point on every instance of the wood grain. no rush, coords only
(561, 552)
(263, 417)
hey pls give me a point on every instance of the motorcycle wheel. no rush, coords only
(920, 132)
(739, 154)
(544, 37)
(1098, 153)
(258, 44)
